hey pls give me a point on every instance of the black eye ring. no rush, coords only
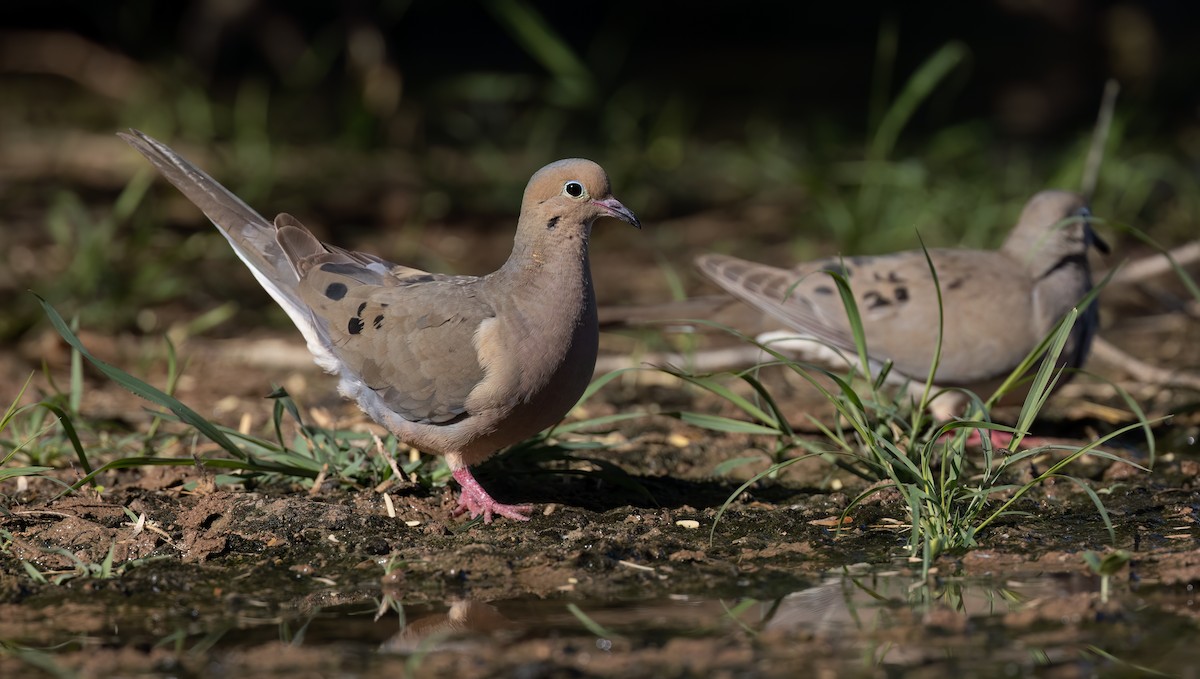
(573, 189)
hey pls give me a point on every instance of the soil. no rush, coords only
(273, 578)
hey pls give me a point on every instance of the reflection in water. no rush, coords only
(464, 619)
(840, 604)
(849, 622)
(863, 602)
(874, 618)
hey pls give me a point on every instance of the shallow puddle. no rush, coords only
(857, 622)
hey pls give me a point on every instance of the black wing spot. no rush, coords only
(343, 269)
(360, 309)
(552, 223)
(823, 290)
(414, 280)
(955, 284)
(336, 291)
(355, 326)
(901, 294)
(378, 321)
(875, 300)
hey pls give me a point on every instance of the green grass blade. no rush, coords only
(937, 347)
(15, 407)
(723, 424)
(1184, 276)
(916, 90)
(591, 625)
(600, 382)
(778, 418)
(75, 396)
(1046, 378)
(14, 472)
(69, 430)
(773, 469)
(1054, 470)
(142, 389)
(1112, 533)
(855, 319)
(530, 30)
(717, 388)
(572, 427)
(1151, 443)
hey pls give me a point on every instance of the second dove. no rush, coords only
(997, 305)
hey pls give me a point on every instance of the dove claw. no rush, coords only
(474, 500)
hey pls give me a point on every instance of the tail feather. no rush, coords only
(253, 238)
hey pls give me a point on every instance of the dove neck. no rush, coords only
(547, 269)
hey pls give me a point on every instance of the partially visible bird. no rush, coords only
(459, 366)
(997, 304)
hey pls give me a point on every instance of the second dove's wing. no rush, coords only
(987, 326)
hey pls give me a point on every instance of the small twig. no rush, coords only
(316, 486)
(1156, 265)
(706, 361)
(397, 475)
(1140, 370)
(635, 566)
(44, 512)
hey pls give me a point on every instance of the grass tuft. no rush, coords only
(893, 443)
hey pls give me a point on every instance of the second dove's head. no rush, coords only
(568, 194)
(1054, 228)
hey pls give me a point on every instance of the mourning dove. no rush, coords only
(459, 366)
(997, 304)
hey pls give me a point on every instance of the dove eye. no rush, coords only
(573, 189)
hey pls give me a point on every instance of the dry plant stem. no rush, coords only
(1140, 370)
(704, 361)
(1156, 265)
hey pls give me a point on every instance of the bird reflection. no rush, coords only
(464, 620)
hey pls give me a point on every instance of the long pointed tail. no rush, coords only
(253, 238)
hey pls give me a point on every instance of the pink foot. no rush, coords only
(475, 500)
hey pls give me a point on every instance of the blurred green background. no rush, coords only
(775, 131)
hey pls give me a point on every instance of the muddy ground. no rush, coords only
(624, 569)
(274, 578)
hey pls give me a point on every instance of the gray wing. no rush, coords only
(986, 307)
(407, 334)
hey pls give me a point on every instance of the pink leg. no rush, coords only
(475, 500)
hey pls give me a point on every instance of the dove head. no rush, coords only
(567, 196)
(1054, 229)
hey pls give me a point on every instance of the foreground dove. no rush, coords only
(455, 365)
(998, 304)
